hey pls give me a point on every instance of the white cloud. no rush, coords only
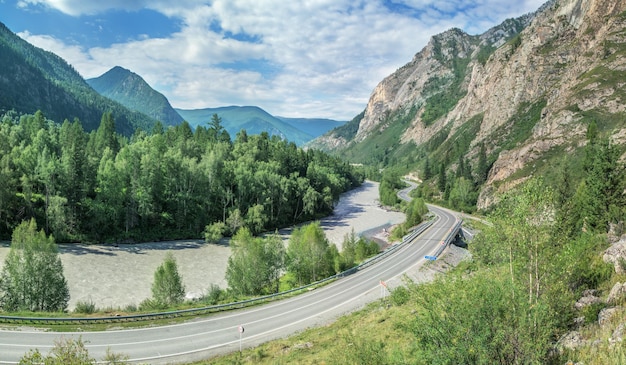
(326, 56)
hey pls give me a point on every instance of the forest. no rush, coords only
(100, 186)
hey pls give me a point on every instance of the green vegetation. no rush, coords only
(447, 92)
(389, 185)
(349, 130)
(70, 352)
(519, 127)
(130, 90)
(32, 276)
(167, 287)
(382, 147)
(309, 255)
(170, 184)
(40, 80)
(256, 264)
(484, 53)
(509, 304)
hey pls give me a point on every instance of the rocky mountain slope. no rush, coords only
(525, 91)
(132, 91)
(32, 79)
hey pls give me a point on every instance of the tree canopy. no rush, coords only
(173, 183)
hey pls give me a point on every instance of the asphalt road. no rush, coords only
(218, 334)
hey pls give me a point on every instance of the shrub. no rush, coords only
(400, 296)
(85, 307)
(214, 295)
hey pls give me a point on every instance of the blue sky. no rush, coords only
(308, 58)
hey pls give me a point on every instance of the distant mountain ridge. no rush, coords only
(33, 79)
(313, 126)
(132, 91)
(256, 120)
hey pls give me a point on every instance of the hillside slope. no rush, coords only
(251, 118)
(32, 79)
(524, 92)
(132, 91)
(313, 126)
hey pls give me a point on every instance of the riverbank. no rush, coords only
(118, 276)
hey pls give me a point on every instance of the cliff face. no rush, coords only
(533, 84)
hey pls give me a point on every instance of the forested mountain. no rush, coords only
(312, 126)
(100, 186)
(132, 91)
(251, 118)
(32, 79)
(497, 108)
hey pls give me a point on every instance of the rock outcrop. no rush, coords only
(533, 83)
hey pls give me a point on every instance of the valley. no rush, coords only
(521, 125)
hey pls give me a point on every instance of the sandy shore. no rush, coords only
(115, 277)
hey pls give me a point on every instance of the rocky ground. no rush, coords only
(117, 276)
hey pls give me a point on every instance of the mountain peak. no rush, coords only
(132, 91)
(33, 79)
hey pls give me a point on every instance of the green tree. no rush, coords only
(442, 182)
(482, 168)
(217, 131)
(214, 232)
(389, 184)
(415, 212)
(32, 276)
(348, 251)
(520, 237)
(105, 135)
(462, 195)
(168, 288)
(255, 264)
(308, 254)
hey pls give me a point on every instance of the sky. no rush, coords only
(293, 58)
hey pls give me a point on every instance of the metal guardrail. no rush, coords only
(213, 308)
(449, 237)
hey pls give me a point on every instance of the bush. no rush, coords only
(85, 307)
(130, 308)
(214, 295)
(151, 305)
(590, 312)
(400, 296)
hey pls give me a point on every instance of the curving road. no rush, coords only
(218, 334)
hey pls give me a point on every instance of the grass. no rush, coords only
(373, 328)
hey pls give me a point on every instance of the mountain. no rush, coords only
(313, 126)
(130, 90)
(32, 79)
(515, 101)
(251, 118)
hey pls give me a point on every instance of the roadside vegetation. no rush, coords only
(509, 304)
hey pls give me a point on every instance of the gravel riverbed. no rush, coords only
(117, 276)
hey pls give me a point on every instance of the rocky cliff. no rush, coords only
(526, 91)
